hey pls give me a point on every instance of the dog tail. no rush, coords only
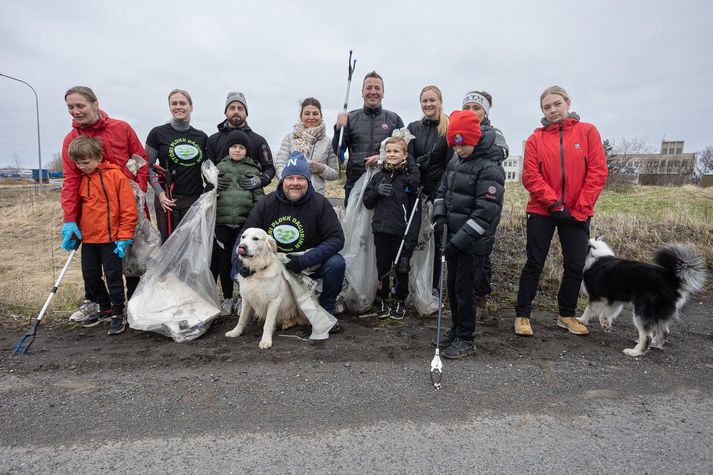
(688, 267)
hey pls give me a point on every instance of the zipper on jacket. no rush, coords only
(108, 208)
(562, 160)
(371, 137)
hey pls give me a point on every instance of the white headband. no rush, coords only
(478, 99)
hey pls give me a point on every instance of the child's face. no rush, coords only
(394, 153)
(464, 150)
(87, 165)
(237, 152)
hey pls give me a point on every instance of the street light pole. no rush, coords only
(37, 109)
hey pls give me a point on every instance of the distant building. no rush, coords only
(513, 168)
(670, 167)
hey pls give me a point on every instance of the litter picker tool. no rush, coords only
(351, 65)
(436, 364)
(29, 337)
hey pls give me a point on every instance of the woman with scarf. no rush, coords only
(309, 137)
(175, 152)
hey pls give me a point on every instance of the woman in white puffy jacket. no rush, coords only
(309, 137)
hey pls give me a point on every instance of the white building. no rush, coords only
(513, 168)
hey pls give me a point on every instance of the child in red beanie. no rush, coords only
(469, 202)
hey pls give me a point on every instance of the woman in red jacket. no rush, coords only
(564, 171)
(119, 143)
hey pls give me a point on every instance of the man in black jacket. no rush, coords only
(305, 226)
(364, 130)
(236, 114)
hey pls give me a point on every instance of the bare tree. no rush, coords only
(623, 163)
(55, 164)
(16, 162)
(704, 164)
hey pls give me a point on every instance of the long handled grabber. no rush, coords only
(29, 337)
(392, 272)
(351, 65)
(436, 365)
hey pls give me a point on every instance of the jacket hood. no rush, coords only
(572, 115)
(99, 124)
(283, 199)
(223, 127)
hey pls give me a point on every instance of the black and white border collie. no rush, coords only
(657, 292)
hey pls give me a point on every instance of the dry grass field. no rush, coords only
(634, 221)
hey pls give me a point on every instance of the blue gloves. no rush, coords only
(70, 229)
(121, 247)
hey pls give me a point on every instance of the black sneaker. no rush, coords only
(398, 310)
(117, 325)
(384, 310)
(446, 339)
(459, 349)
(97, 318)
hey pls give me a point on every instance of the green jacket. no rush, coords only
(235, 203)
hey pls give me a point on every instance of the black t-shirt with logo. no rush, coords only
(181, 153)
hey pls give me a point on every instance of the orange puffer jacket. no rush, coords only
(107, 206)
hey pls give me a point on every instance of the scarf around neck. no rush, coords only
(305, 138)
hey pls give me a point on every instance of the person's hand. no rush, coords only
(372, 161)
(250, 182)
(70, 229)
(385, 189)
(294, 263)
(223, 182)
(342, 118)
(450, 250)
(316, 168)
(166, 203)
(121, 247)
(404, 265)
(562, 215)
(208, 187)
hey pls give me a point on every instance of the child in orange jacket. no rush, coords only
(106, 225)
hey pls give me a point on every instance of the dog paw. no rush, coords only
(657, 345)
(632, 352)
(265, 344)
(606, 327)
(234, 333)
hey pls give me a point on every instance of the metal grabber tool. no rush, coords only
(436, 364)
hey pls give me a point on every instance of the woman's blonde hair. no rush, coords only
(84, 91)
(443, 118)
(555, 90)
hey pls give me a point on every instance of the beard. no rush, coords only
(295, 194)
(236, 121)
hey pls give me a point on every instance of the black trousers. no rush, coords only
(574, 238)
(482, 287)
(464, 271)
(220, 264)
(387, 246)
(183, 204)
(95, 259)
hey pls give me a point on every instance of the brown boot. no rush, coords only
(481, 312)
(522, 326)
(572, 325)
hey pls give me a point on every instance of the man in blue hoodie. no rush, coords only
(305, 227)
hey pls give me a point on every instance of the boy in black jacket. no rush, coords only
(469, 201)
(392, 194)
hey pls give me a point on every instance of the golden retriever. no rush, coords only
(265, 292)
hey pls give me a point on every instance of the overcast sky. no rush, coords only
(632, 68)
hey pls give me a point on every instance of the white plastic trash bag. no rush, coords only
(147, 239)
(421, 275)
(359, 251)
(177, 296)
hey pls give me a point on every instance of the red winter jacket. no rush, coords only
(119, 142)
(564, 164)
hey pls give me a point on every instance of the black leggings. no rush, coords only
(99, 260)
(387, 246)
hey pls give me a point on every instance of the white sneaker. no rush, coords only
(87, 309)
(226, 307)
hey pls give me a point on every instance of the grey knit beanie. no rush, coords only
(236, 96)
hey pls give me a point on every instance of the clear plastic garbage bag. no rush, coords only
(359, 251)
(147, 239)
(177, 296)
(421, 274)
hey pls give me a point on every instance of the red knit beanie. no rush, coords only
(463, 129)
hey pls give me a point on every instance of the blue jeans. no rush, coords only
(332, 274)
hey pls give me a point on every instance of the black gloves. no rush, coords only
(244, 271)
(385, 189)
(439, 222)
(294, 263)
(250, 182)
(208, 187)
(404, 265)
(562, 215)
(450, 250)
(223, 182)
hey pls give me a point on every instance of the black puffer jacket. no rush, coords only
(499, 138)
(471, 196)
(365, 130)
(258, 149)
(431, 153)
(391, 213)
